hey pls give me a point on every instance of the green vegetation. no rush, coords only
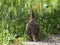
(14, 17)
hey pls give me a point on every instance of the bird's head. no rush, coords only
(31, 12)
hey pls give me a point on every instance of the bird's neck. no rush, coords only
(32, 16)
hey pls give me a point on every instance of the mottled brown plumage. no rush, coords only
(32, 27)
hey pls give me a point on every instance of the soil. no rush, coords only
(50, 40)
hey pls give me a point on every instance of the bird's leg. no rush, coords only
(34, 38)
(30, 38)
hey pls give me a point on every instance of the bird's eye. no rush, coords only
(30, 10)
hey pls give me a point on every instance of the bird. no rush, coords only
(32, 27)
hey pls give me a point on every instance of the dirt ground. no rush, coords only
(50, 40)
